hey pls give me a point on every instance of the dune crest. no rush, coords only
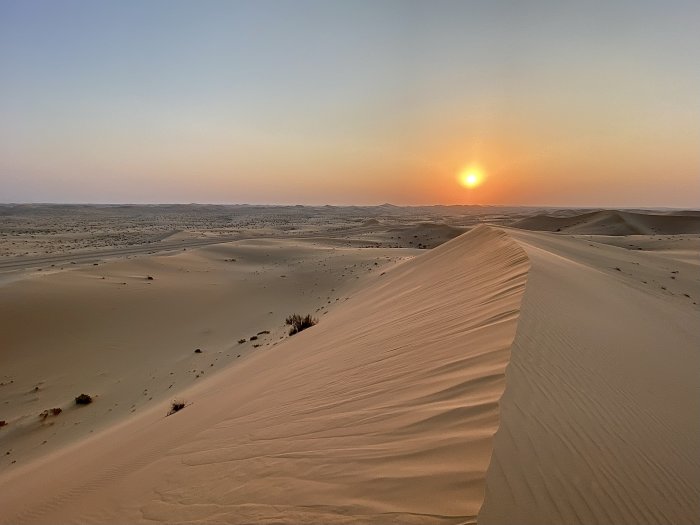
(383, 412)
(599, 419)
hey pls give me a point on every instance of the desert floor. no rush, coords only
(469, 364)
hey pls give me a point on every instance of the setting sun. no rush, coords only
(470, 177)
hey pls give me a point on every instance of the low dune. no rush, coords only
(126, 331)
(612, 222)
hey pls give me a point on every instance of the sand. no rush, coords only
(379, 413)
(614, 222)
(503, 376)
(600, 418)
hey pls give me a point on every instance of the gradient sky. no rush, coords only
(357, 102)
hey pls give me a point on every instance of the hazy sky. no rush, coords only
(559, 103)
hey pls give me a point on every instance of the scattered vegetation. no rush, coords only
(83, 399)
(299, 323)
(176, 406)
(50, 412)
(3, 422)
(198, 351)
(264, 332)
(254, 338)
(149, 277)
(241, 341)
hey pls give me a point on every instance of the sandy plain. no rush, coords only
(470, 364)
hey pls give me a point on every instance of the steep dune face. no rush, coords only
(599, 420)
(383, 412)
(609, 222)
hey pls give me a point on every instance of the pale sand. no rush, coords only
(110, 332)
(383, 412)
(600, 421)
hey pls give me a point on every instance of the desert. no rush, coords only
(368, 262)
(462, 368)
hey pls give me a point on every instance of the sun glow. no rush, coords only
(470, 177)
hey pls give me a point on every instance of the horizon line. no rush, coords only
(384, 204)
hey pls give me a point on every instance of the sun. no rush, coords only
(470, 177)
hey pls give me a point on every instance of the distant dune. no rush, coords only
(609, 222)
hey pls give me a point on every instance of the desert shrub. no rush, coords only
(83, 399)
(264, 332)
(3, 422)
(241, 341)
(254, 338)
(198, 351)
(176, 406)
(299, 323)
(50, 412)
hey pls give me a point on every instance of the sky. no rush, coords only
(556, 103)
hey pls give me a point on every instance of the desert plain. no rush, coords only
(469, 364)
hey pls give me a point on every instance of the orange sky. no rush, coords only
(350, 103)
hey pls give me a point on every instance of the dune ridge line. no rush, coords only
(599, 418)
(383, 412)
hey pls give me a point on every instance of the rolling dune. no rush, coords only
(442, 391)
(383, 412)
(613, 222)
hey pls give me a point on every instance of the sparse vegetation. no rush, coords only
(241, 341)
(299, 323)
(83, 399)
(50, 412)
(3, 422)
(176, 406)
(264, 332)
(254, 338)
(198, 351)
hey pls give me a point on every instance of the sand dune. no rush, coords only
(111, 332)
(599, 420)
(504, 377)
(383, 412)
(612, 222)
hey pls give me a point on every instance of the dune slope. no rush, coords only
(383, 412)
(599, 419)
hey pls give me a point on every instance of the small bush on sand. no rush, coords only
(241, 341)
(50, 412)
(83, 399)
(176, 406)
(299, 323)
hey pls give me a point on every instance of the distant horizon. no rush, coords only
(282, 205)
